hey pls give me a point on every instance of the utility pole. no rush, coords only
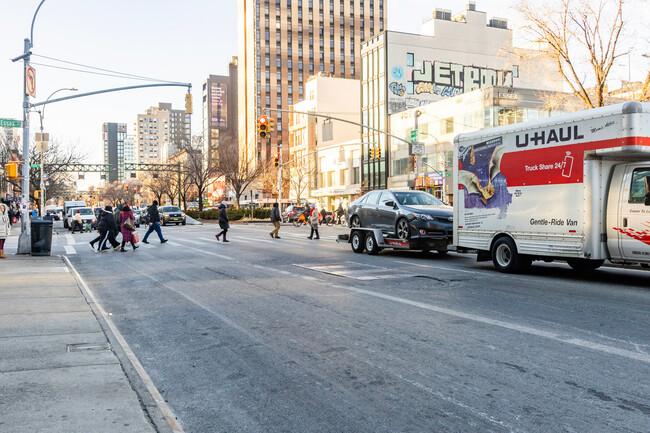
(24, 241)
(417, 114)
(280, 177)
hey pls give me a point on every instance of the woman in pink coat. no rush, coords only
(127, 235)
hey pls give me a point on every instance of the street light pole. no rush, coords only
(24, 241)
(417, 114)
(42, 115)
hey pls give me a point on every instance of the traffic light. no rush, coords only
(11, 170)
(371, 153)
(37, 194)
(126, 187)
(378, 153)
(271, 122)
(188, 103)
(276, 160)
(135, 189)
(263, 127)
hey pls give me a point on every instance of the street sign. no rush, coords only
(35, 165)
(414, 136)
(11, 123)
(30, 81)
(417, 148)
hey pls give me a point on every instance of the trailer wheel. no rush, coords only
(584, 264)
(505, 257)
(371, 245)
(356, 240)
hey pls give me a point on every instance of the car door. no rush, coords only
(386, 213)
(368, 210)
(634, 220)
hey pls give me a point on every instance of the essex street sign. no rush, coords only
(414, 136)
(10, 123)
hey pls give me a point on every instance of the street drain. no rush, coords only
(79, 347)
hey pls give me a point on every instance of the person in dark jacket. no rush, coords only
(107, 229)
(223, 221)
(275, 219)
(154, 223)
(99, 237)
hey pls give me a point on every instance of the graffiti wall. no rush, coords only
(415, 80)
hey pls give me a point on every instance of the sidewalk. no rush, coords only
(58, 371)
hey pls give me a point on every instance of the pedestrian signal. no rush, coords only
(276, 160)
(263, 127)
(37, 194)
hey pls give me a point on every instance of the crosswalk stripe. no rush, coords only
(69, 249)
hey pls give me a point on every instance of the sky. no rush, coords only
(168, 40)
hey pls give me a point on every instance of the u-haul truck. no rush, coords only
(573, 187)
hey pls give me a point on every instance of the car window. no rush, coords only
(86, 211)
(386, 197)
(414, 198)
(373, 197)
(171, 209)
(637, 189)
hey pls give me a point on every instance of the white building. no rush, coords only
(454, 55)
(325, 154)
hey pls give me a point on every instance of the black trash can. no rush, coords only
(41, 237)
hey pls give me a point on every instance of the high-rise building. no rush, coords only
(161, 131)
(219, 111)
(114, 135)
(281, 44)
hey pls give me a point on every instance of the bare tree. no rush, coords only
(120, 192)
(157, 184)
(298, 178)
(582, 37)
(197, 171)
(239, 174)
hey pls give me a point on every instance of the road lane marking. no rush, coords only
(69, 238)
(148, 383)
(69, 249)
(192, 242)
(257, 240)
(437, 267)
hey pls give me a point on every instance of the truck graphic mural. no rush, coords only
(639, 235)
(480, 177)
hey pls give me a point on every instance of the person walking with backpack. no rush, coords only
(5, 229)
(275, 219)
(127, 227)
(154, 224)
(107, 230)
(313, 220)
(223, 221)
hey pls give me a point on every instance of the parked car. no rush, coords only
(292, 212)
(171, 214)
(406, 215)
(87, 215)
(137, 217)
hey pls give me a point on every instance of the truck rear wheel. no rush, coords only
(356, 240)
(584, 264)
(505, 257)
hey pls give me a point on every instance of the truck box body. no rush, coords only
(567, 187)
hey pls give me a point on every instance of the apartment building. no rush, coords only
(161, 131)
(113, 135)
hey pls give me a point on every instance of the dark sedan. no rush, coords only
(292, 212)
(414, 216)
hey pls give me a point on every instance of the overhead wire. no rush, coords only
(112, 73)
(96, 73)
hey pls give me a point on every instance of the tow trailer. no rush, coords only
(373, 241)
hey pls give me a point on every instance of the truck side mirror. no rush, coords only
(647, 191)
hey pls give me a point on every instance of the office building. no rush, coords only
(219, 111)
(161, 131)
(113, 135)
(281, 44)
(455, 54)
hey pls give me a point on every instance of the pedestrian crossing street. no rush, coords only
(192, 237)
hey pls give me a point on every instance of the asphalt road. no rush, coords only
(298, 335)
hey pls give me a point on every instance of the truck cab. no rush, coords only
(628, 214)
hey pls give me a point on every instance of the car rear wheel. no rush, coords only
(371, 245)
(402, 229)
(355, 222)
(356, 240)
